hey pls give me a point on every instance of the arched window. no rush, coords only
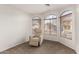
(36, 24)
(36, 18)
(50, 24)
(66, 24)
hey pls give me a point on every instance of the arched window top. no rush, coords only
(50, 17)
(66, 13)
(36, 18)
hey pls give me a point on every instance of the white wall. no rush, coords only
(77, 29)
(15, 27)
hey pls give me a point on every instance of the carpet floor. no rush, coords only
(47, 47)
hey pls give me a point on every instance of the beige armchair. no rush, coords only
(36, 39)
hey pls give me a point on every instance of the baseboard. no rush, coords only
(69, 47)
(12, 46)
(63, 44)
(51, 40)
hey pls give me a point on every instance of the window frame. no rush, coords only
(65, 15)
(50, 23)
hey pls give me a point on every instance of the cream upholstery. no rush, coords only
(34, 41)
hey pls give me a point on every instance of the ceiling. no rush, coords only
(38, 8)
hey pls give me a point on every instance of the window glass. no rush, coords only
(66, 24)
(50, 24)
(54, 26)
(36, 25)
